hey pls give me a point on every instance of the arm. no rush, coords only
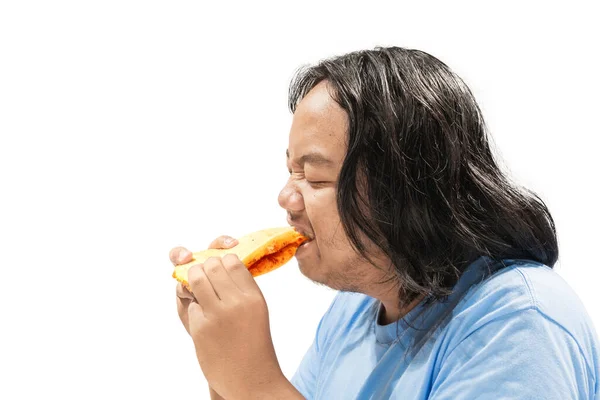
(214, 395)
(523, 355)
(284, 390)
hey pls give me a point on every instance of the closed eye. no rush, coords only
(317, 184)
(313, 184)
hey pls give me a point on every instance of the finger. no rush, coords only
(182, 310)
(220, 280)
(196, 315)
(180, 255)
(202, 289)
(239, 274)
(183, 293)
(223, 242)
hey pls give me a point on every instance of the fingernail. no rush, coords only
(228, 241)
(183, 254)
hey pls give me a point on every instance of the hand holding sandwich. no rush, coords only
(226, 315)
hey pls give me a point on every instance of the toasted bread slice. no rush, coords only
(261, 252)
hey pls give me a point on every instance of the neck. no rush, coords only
(389, 296)
(391, 312)
(387, 293)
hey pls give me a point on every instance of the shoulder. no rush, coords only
(534, 303)
(525, 285)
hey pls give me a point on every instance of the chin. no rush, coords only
(315, 274)
(303, 267)
(310, 270)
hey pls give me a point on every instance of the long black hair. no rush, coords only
(419, 178)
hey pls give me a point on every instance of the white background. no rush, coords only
(130, 127)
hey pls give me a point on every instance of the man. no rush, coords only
(443, 266)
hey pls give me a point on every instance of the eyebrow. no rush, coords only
(312, 158)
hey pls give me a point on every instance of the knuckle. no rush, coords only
(254, 302)
(211, 260)
(212, 265)
(232, 262)
(195, 275)
(212, 269)
(236, 303)
(197, 281)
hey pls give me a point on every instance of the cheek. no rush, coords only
(321, 208)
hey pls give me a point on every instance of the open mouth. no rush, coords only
(276, 253)
(279, 257)
(306, 243)
(305, 234)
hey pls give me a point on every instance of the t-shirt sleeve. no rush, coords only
(523, 355)
(306, 376)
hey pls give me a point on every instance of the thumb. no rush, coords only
(223, 242)
(180, 255)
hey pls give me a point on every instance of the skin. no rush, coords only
(226, 314)
(309, 197)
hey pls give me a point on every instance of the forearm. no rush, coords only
(214, 395)
(288, 392)
(282, 390)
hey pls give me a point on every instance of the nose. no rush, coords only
(291, 199)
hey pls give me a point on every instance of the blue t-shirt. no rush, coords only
(521, 333)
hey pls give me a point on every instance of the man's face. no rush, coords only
(317, 146)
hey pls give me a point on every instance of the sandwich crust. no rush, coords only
(261, 252)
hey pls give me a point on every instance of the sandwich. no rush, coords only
(261, 252)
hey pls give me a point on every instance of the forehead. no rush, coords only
(319, 125)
